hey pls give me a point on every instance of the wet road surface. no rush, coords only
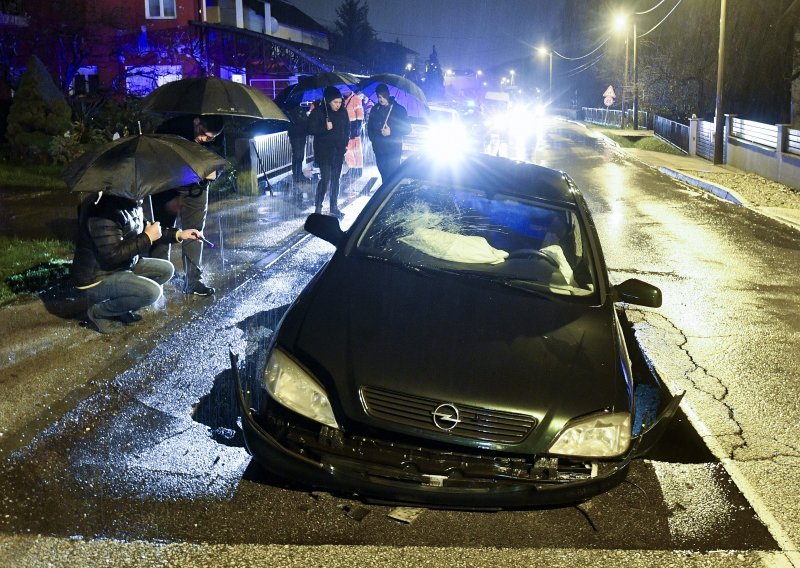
(155, 454)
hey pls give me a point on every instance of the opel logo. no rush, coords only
(446, 417)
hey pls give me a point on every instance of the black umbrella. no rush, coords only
(211, 95)
(137, 166)
(311, 87)
(404, 91)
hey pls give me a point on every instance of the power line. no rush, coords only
(662, 20)
(650, 10)
(605, 41)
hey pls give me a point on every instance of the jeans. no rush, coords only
(128, 290)
(193, 211)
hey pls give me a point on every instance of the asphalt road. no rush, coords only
(153, 453)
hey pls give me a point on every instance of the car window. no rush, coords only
(463, 230)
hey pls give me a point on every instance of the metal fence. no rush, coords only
(610, 117)
(755, 132)
(793, 142)
(705, 140)
(672, 132)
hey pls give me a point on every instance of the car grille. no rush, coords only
(473, 422)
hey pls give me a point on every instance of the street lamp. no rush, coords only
(548, 52)
(512, 76)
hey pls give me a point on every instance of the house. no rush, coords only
(129, 47)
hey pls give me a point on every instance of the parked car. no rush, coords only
(461, 348)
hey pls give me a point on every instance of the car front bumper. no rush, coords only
(391, 471)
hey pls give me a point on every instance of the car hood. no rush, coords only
(366, 323)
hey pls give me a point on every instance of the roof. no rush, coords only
(497, 174)
(291, 15)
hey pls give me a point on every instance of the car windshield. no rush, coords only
(460, 230)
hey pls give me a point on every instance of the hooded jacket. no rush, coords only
(329, 145)
(110, 238)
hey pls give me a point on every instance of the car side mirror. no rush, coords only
(635, 291)
(325, 227)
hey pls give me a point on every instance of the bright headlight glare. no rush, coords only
(290, 385)
(602, 435)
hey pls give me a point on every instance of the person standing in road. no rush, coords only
(329, 125)
(298, 131)
(387, 124)
(108, 267)
(191, 204)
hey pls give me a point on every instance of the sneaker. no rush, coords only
(336, 213)
(200, 289)
(101, 324)
(129, 318)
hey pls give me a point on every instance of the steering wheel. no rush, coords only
(532, 253)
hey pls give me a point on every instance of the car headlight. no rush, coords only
(601, 435)
(290, 385)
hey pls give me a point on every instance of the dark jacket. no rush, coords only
(110, 238)
(329, 145)
(298, 125)
(398, 123)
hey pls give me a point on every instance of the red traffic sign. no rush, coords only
(608, 101)
(610, 92)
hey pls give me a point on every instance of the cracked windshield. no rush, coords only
(426, 224)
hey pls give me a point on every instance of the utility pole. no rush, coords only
(718, 117)
(625, 81)
(635, 83)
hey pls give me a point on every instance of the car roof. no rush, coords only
(494, 174)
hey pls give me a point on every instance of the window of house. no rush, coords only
(143, 79)
(159, 8)
(85, 81)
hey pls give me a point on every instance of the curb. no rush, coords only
(718, 190)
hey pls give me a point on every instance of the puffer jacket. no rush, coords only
(110, 238)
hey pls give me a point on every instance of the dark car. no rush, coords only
(461, 348)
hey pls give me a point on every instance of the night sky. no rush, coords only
(474, 34)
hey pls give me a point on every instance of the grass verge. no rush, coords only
(30, 176)
(28, 266)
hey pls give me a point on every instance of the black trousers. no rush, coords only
(387, 163)
(298, 155)
(329, 174)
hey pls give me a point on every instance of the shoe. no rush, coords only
(318, 209)
(336, 213)
(129, 318)
(200, 289)
(101, 324)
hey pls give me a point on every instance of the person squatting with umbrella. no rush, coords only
(190, 202)
(108, 266)
(330, 126)
(386, 126)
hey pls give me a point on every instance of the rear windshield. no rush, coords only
(463, 230)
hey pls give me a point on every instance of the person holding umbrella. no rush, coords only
(108, 266)
(386, 126)
(191, 204)
(330, 126)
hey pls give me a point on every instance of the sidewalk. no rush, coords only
(49, 358)
(740, 187)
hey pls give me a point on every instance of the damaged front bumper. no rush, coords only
(374, 469)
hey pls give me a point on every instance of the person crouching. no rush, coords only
(108, 267)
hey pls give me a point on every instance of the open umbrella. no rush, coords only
(404, 91)
(211, 95)
(137, 166)
(311, 87)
